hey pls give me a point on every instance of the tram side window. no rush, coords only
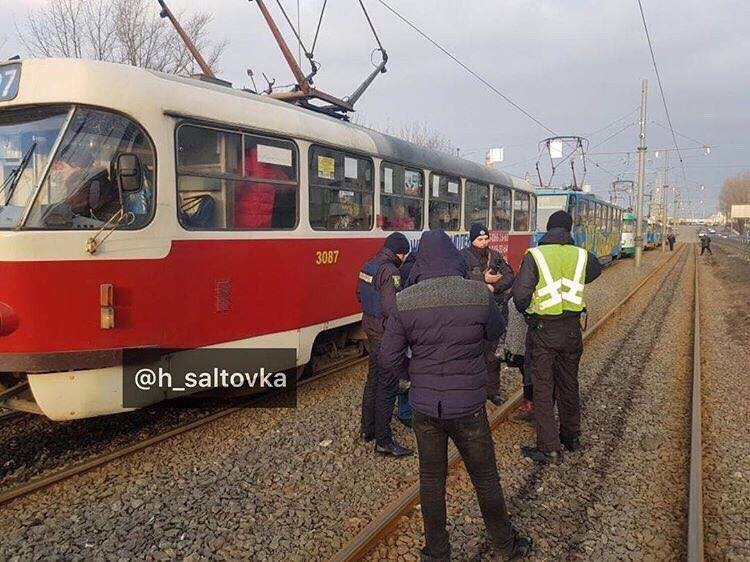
(232, 181)
(402, 196)
(476, 204)
(584, 212)
(532, 211)
(573, 210)
(501, 208)
(445, 202)
(81, 190)
(341, 190)
(520, 211)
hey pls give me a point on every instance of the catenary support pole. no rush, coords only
(641, 180)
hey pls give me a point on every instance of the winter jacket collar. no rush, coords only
(437, 257)
(557, 236)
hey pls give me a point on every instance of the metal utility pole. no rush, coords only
(641, 177)
(665, 215)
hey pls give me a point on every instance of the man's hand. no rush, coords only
(492, 278)
(490, 287)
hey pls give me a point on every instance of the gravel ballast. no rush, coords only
(260, 484)
(725, 322)
(624, 496)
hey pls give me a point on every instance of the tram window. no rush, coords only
(476, 204)
(573, 210)
(341, 190)
(233, 181)
(584, 211)
(402, 197)
(520, 211)
(532, 211)
(80, 191)
(548, 205)
(501, 208)
(445, 202)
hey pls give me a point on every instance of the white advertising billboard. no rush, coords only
(741, 211)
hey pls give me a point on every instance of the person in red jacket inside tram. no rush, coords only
(254, 200)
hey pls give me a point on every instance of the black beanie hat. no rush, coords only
(397, 243)
(477, 230)
(560, 219)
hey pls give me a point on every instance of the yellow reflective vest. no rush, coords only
(562, 275)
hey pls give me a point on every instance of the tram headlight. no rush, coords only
(8, 320)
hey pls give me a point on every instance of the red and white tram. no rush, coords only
(140, 209)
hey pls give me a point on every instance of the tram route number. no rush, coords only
(9, 78)
(326, 257)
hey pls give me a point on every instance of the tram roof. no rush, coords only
(72, 76)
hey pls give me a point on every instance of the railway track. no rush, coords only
(103, 459)
(695, 499)
(387, 521)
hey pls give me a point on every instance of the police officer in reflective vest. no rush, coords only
(549, 290)
(379, 281)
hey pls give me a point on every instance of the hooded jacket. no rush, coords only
(386, 286)
(528, 276)
(445, 319)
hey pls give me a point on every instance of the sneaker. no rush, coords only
(393, 449)
(533, 453)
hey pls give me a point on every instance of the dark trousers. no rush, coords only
(378, 398)
(671, 244)
(472, 437)
(704, 248)
(492, 382)
(554, 349)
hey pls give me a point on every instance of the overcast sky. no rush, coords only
(576, 65)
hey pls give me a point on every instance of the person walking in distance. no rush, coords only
(489, 267)
(379, 281)
(670, 240)
(706, 244)
(445, 320)
(549, 290)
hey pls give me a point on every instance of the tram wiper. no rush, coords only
(14, 179)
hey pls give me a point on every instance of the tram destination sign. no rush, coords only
(10, 76)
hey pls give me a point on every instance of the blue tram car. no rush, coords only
(597, 225)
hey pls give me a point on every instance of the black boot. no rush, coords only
(533, 453)
(496, 399)
(393, 449)
(520, 548)
(571, 444)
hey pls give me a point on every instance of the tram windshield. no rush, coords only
(79, 189)
(546, 205)
(27, 137)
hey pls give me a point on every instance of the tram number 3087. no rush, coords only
(328, 257)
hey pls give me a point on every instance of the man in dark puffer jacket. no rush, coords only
(445, 319)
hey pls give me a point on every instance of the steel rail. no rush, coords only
(388, 519)
(98, 461)
(695, 498)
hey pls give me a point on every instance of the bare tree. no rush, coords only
(124, 31)
(419, 133)
(735, 191)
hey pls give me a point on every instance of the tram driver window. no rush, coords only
(476, 204)
(341, 190)
(445, 202)
(520, 211)
(401, 197)
(80, 190)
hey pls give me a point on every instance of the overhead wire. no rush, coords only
(661, 88)
(465, 67)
